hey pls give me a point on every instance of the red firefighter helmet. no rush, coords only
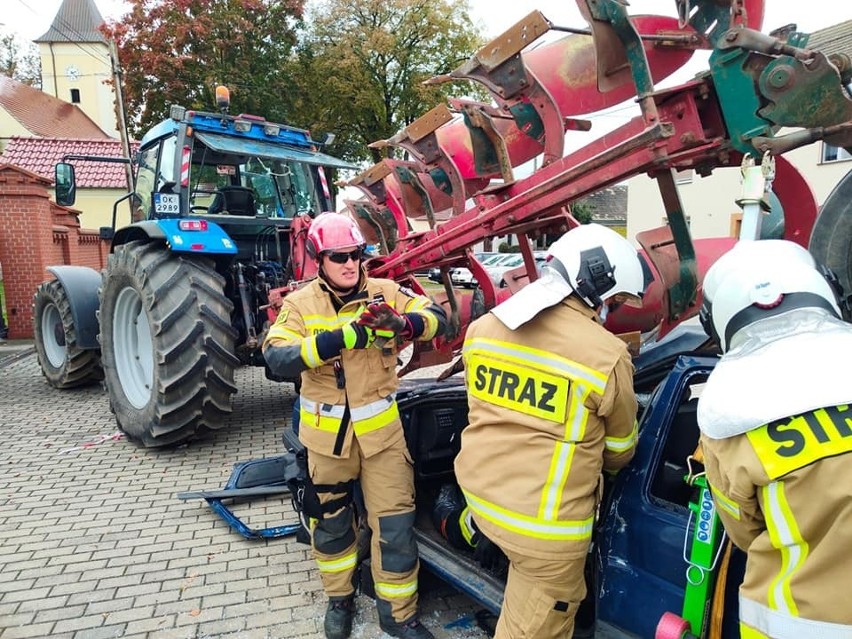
(331, 231)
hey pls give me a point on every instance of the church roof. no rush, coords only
(39, 155)
(43, 115)
(76, 21)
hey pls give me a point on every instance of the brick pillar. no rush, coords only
(27, 221)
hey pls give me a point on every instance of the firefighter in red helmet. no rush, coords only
(341, 333)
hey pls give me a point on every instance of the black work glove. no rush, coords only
(351, 336)
(488, 554)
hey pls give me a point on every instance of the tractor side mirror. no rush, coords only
(66, 184)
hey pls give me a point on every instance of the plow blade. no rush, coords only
(831, 240)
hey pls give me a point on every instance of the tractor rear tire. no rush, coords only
(63, 363)
(167, 344)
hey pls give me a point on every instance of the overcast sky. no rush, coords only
(31, 18)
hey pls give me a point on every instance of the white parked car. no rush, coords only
(461, 276)
(496, 269)
(498, 272)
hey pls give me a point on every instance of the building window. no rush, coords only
(75, 96)
(831, 153)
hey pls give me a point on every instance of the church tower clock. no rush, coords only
(75, 62)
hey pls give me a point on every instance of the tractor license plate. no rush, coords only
(166, 203)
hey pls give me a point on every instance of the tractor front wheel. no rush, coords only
(63, 363)
(167, 344)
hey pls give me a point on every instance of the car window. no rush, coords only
(504, 257)
(492, 259)
(515, 260)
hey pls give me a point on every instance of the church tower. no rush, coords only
(75, 62)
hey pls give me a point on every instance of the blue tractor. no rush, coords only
(185, 297)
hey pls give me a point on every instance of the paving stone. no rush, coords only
(95, 543)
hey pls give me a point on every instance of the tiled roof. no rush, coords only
(39, 155)
(76, 21)
(43, 115)
(609, 203)
(833, 39)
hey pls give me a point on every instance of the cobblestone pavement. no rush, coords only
(95, 543)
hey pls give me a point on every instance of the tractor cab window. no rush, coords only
(208, 180)
(154, 174)
(284, 188)
(276, 188)
(146, 178)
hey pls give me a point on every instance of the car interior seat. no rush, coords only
(234, 200)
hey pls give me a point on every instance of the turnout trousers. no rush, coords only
(541, 598)
(387, 482)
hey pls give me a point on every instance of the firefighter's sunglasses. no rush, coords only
(342, 258)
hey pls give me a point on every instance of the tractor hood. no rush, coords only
(259, 148)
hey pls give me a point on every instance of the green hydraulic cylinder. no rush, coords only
(707, 538)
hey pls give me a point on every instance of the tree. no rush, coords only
(19, 61)
(362, 63)
(177, 51)
(582, 210)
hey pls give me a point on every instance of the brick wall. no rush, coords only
(36, 233)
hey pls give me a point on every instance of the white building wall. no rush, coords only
(710, 202)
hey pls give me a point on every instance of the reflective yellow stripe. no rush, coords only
(309, 352)
(785, 536)
(387, 416)
(530, 526)
(329, 410)
(723, 502)
(327, 423)
(338, 565)
(539, 359)
(396, 591)
(578, 415)
(417, 304)
(747, 632)
(560, 466)
(785, 445)
(430, 322)
(325, 417)
(622, 444)
(466, 525)
(318, 323)
(280, 332)
(763, 621)
(430, 325)
(372, 409)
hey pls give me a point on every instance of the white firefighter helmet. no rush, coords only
(598, 264)
(590, 260)
(742, 256)
(761, 279)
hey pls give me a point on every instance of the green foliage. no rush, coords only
(362, 63)
(355, 69)
(177, 51)
(19, 60)
(505, 247)
(582, 211)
